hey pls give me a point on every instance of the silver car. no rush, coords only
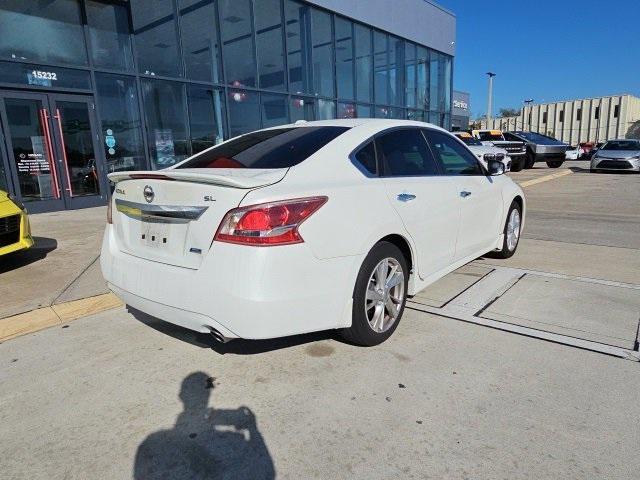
(623, 154)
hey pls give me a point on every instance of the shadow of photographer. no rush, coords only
(205, 443)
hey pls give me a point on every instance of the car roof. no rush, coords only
(380, 123)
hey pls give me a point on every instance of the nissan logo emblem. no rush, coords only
(148, 194)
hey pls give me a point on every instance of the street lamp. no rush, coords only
(527, 102)
(490, 102)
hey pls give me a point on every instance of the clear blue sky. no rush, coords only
(546, 50)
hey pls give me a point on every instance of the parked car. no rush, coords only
(485, 152)
(15, 233)
(573, 153)
(593, 150)
(623, 154)
(540, 148)
(516, 149)
(306, 227)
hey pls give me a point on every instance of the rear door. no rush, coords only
(478, 195)
(425, 200)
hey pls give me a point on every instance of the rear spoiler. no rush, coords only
(203, 176)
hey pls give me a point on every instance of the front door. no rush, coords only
(53, 150)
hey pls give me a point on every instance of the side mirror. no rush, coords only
(495, 167)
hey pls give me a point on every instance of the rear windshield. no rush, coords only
(539, 139)
(278, 148)
(488, 136)
(629, 145)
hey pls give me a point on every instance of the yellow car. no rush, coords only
(15, 233)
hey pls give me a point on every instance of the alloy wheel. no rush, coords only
(385, 294)
(513, 230)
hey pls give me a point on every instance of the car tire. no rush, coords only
(517, 164)
(372, 321)
(530, 160)
(509, 247)
(555, 164)
(594, 170)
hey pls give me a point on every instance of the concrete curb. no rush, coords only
(546, 178)
(60, 314)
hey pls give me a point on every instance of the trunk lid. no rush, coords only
(171, 216)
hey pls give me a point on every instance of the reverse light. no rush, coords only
(268, 224)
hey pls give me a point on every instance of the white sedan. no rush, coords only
(306, 227)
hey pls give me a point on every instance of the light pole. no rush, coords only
(528, 103)
(490, 101)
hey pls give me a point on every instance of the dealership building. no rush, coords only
(577, 121)
(460, 111)
(89, 87)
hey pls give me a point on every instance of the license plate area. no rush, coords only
(155, 233)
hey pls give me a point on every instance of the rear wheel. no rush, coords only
(517, 163)
(530, 161)
(511, 233)
(379, 296)
(555, 164)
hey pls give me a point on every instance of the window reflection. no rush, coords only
(156, 41)
(422, 78)
(269, 45)
(322, 55)
(48, 32)
(302, 109)
(237, 42)
(410, 75)
(364, 63)
(347, 110)
(205, 117)
(244, 112)
(119, 115)
(298, 26)
(109, 35)
(380, 68)
(396, 70)
(200, 48)
(344, 58)
(274, 110)
(164, 105)
(326, 109)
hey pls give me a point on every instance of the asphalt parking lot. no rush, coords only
(119, 394)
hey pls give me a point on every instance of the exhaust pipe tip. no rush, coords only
(218, 336)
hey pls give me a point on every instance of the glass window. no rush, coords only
(298, 28)
(47, 32)
(405, 153)
(366, 157)
(109, 35)
(578, 115)
(446, 83)
(454, 157)
(302, 109)
(396, 70)
(382, 112)
(397, 113)
(244, 112)
(561, 117)
(410, 75)
(120, 118)
(417, 115)
(274, 110)
(154, 27)
(277, 148)
(164, 107)
(326, 109)
(237, 42)
(616, 111)
(364, 64)
(200, 49)
(434, 85)
(597, 113)
(205, 117)
(364, 111)
(270, 45)
(344, 58)
(3, 177)
(346, 110)
(380, 67)
(422, 78)
(322, 56)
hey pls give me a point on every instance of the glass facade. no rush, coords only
(173, 77)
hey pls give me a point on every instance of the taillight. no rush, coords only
(109, 211)
(268, 224)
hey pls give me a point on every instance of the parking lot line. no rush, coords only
(59, 314)
(545, 178)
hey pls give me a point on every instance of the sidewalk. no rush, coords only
(62, 266)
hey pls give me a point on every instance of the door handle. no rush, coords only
(465, 194)
(44, 118)
(406, 197)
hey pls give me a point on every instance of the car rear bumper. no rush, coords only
(11, 239)
(240, 291)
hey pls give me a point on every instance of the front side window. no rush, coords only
(276, 148)
(454, 157)
(405, 153)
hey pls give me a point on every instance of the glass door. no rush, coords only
(33, 166)
(53, 150)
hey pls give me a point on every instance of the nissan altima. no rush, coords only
(306, 227)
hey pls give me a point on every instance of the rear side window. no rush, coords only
(453, 156)
(405, 153)
(366, 157)
(278, 148)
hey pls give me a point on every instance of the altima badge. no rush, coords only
(148, 193)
